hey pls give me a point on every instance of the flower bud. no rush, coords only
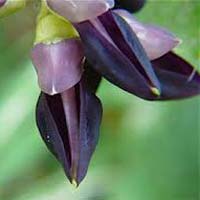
(114, 51)
(69, 124)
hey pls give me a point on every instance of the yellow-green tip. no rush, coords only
(155, 91)
(74, 183)
(52, 29)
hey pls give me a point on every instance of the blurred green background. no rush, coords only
(147, 150)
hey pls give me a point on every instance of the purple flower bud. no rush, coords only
(69, 125)
(115, 52)
(155, 40)
(58, 65)
(78, 11)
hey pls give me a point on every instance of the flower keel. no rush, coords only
(69, 125)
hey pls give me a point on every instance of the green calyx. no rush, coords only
(52, 29)
(11, 6)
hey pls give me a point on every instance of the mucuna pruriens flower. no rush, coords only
(117, 54)
(134, 56)
(69, 125)
(80, 42)
(120, 58)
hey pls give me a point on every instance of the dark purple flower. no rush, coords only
(71, 57)
(113, 49)
(69, 125)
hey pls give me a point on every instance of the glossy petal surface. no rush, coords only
(80, 10)
(59, 65)
(155, 40)
(177, 77)
(92, 76)
(117, 55)
(69, 125)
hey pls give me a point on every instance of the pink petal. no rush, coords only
(59, 65)
(155, 40)
(80, 10)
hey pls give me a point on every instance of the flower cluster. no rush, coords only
(80, 42)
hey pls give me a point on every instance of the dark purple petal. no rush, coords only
(177, 77)
(126, 40)
(69, 125)
(93, 78)
(2, 2)
(120, 58)
(130, 5)
(51, 123)
(155, 40)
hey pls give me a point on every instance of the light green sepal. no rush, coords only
(43, 11)
(51, 29)
(11, 6)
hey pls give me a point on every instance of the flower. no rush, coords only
(134, 56)
(69, 125)
(75, 48)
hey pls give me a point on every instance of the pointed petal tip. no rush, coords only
(74, 183)
(156, 91)
(178, 78)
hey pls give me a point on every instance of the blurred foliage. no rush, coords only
(147, 150)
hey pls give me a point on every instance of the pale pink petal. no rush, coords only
(155, 40)
(80, 10)
(59, 65)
